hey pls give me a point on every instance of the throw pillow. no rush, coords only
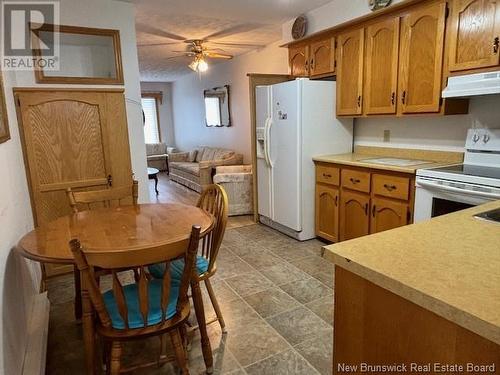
(192, 156)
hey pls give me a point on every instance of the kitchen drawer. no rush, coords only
(391, 186)
(327, 174)
(356, 180)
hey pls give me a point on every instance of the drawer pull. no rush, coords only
(390, 187)
(355, 180)
(496, 42)
(327, 175)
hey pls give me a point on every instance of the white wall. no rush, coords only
(188, 104)
(19, 280)
(165, 109)
(434, 132)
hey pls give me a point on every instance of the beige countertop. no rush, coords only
(361, 153)
(449, 265)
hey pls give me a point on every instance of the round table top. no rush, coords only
(114, 229)
(152, 171)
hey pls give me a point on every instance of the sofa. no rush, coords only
(237, 182)
(156, 154)
(195, 169)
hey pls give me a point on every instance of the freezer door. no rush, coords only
(264, 177)
(285, 154)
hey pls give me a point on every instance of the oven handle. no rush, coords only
(457, 190)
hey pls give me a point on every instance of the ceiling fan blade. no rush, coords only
(158, 32)
(233, 30)
(237, 45)
(215, 55)
(157, 44)
(176, 57)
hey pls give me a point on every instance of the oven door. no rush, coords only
(435, 197)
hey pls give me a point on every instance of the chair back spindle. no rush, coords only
(214, 201)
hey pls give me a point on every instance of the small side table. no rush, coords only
(153, 175)
(168, 168)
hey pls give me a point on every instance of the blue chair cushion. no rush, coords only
(177, 268)
(135, 319)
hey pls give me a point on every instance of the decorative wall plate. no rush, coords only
(299, 27)
(377, 4)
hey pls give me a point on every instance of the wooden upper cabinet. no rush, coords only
(381, 60)
(298, 59)
(421, 59)
(327, 212)
(474, 34)
(387, 214)
(354, 215)
(322, 61)
(350, 58)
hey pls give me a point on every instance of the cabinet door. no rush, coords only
(387, 214)
(298, 58)
(327, 212)
(421, 59)
(382, 53)
(350, 73)
(322, 57)
(354, 215)
(475, 29)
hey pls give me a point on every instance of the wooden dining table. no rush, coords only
(118, 230)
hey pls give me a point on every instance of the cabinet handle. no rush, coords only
(359, 101)
(390, 187)
(374, 209)
(496, 42)
(366, 209)
(306, 65)
(327, 175)
(393, 98)
(336, 201)
(110, 180)
(312, 64)
(403, 97)
(354, 180)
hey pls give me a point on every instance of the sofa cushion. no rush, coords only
(199, 154)
(210, 153)
(156, 148)
(192, 156)
(157, 157)
(192, 168)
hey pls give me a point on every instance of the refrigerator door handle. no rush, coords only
(268, 141)
(266, 150)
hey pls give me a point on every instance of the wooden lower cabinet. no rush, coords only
(327, 212)
(354, 215)
(388, 214)
(352, 202)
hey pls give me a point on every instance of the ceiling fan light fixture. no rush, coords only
(202, 66)
(194, 65)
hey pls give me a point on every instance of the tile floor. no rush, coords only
(277, 299)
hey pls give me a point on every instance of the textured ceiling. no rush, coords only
(161, 24)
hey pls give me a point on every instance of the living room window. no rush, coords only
(151, 117)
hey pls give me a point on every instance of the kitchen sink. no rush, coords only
(493, 216)
(395, 161)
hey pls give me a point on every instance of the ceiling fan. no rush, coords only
(197, 48)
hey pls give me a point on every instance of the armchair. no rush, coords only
(237, 181)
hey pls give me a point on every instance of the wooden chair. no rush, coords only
(145, 308)
(102, 198)
(88, 200)
(214, 201)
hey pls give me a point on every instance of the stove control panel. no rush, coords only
(483, 140)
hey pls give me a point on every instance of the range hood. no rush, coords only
(472, 85)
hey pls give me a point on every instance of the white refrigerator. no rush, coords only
(295, 121)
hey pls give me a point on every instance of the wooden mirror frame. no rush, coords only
(114, 34)
(206, 93)
(4, 120)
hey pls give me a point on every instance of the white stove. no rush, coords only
(447, 189)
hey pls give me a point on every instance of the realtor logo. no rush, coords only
(28, 26)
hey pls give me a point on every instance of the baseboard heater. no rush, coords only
(38, 333)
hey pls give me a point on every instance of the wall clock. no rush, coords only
(299, 27)
(377, 4)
